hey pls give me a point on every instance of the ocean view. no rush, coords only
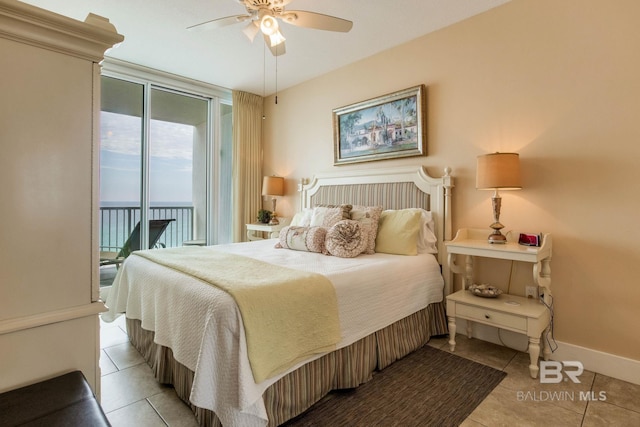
(110, 204)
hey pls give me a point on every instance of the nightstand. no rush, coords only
(273, 230)
(514, 313)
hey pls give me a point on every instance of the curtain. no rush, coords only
(247, 161)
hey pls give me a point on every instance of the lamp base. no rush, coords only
(497, 238)
(274, 217)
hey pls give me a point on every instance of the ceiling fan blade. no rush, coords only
(251, 30)
(220, 22)
(276, 50)
(302, 18)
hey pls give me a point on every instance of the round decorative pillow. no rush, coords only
(346, 239)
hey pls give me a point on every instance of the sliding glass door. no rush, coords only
(178, 153)
(165, 168)
(121, 129)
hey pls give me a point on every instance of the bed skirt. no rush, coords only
(294, 393)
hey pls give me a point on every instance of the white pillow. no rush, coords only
(302, 218)
(427, 241)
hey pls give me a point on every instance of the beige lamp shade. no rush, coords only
(498, 171)
(273, 186)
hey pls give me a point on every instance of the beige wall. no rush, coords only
(557, 82)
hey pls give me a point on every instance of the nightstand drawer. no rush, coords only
(491, 317)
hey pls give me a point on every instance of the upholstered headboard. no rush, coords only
(391, 188)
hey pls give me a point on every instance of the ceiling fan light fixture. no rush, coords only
(263, 15)
(268, 25)
(276, 38)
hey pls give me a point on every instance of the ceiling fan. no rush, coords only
(263, 15)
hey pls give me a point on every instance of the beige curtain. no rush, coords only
(247, 161)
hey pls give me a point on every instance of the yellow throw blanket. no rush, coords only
(288, 314)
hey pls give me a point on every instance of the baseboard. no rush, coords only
(608, 364)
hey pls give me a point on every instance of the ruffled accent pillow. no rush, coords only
(346, 239)
(328, 215)
(368, 217)
(309, 239)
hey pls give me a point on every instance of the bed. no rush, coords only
(198, 338)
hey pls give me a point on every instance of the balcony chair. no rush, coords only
(156, 228)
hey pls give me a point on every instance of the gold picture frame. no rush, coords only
(387, 127)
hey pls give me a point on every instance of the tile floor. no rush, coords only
(132, 397)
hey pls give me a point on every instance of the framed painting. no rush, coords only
(387, 127)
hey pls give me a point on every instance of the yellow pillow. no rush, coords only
(398, 232)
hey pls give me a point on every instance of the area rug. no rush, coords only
(428, 387)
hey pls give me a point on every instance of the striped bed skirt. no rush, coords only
(294, 393)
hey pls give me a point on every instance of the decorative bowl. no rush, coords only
(484, 290)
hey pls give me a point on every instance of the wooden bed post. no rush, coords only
(447, 184)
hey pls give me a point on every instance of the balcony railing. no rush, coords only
(116, 224)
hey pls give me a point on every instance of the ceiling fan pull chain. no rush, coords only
(264, 75)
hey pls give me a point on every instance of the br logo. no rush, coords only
(552, 372)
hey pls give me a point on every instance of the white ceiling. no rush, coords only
(156, 36)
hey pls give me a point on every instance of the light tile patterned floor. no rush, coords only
(132, 397)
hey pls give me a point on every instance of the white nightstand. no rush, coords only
(196, 242)
(273, 230)
(514, 313)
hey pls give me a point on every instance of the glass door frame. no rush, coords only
(215, 96)
(145, 198)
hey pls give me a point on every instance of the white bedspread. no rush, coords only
(203, 327)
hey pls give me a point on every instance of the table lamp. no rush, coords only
(498, 171)
(273, 186)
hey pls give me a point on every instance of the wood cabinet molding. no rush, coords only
(38, 27)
